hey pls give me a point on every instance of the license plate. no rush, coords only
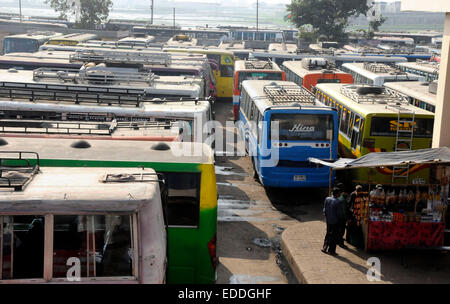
(299, 178)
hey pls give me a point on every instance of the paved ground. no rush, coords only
(301, 244)
(249, 226)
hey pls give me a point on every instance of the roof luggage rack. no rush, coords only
(288, 94)
(133, 178)
(258, 64)
(96, 75)
(371, 94)
(381, 68)
(98, 56)
(57, 127)
(17, 176)
(104, 128)
(68, 93)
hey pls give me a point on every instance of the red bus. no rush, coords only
(310, 71)
(252, 70)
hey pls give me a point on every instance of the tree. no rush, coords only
(91, 12)
(328, 17)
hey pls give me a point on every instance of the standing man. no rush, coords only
(333, 212)
(343, 197)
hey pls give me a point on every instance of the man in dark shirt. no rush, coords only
(334, 215)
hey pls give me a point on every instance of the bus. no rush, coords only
(307, 128)
(419, 94)
(340, 59)
(111, 223)
(35, 60)
(181, 41)
(377, 74)
(93, 130)
(191, 191)
(162, 64)
(311, 71)
(372, 120)
(429, 70)
(180, 119)
(27, 43)
(71, 39)
(252, 69)
(92, 83)
(224, 74)
(143, 42)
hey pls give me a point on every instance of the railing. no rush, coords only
(92, 75)
(382, 98)
(120, 57)
(288, 94)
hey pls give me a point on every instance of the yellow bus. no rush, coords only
(71, 39)
(372, 120)
(222, 65)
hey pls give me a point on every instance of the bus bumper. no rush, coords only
(318, 178)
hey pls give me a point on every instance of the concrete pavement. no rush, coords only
(301, 244)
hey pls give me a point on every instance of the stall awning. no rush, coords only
(382, 159)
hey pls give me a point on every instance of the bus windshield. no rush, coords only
(13, 45)
(387, 126)
(304, 126)
(325, 80)
(258, 76)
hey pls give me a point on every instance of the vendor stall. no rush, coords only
(402, 214)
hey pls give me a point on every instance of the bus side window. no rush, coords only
(351, 117)
(344, 122)
(355, 131)
(183, 198)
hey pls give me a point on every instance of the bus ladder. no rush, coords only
(403, 136)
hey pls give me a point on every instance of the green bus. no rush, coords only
(372, 120)
(188, 171)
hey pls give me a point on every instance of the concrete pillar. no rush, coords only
(441, 135)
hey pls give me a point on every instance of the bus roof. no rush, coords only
(113, 151)
(146, 39)
(373, 70)
(163, 109)
(368, 104)
(415, 89)
(288, 47)
(95, 190)
(268, 93)
(297, 68)
(216, 51)
(37, 35)
(79, 37)
(369, 58)
(427, 67)
(50, 76)
(256, 65)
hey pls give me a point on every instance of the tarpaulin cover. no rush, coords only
(436, 155)
(391, 236)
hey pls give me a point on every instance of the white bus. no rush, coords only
(429, 70)
(97, 84)
(26, 43)
(419, 94)
(377, 73)
(108, 221)
(184, 118)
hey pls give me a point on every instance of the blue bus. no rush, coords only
(282, 125)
